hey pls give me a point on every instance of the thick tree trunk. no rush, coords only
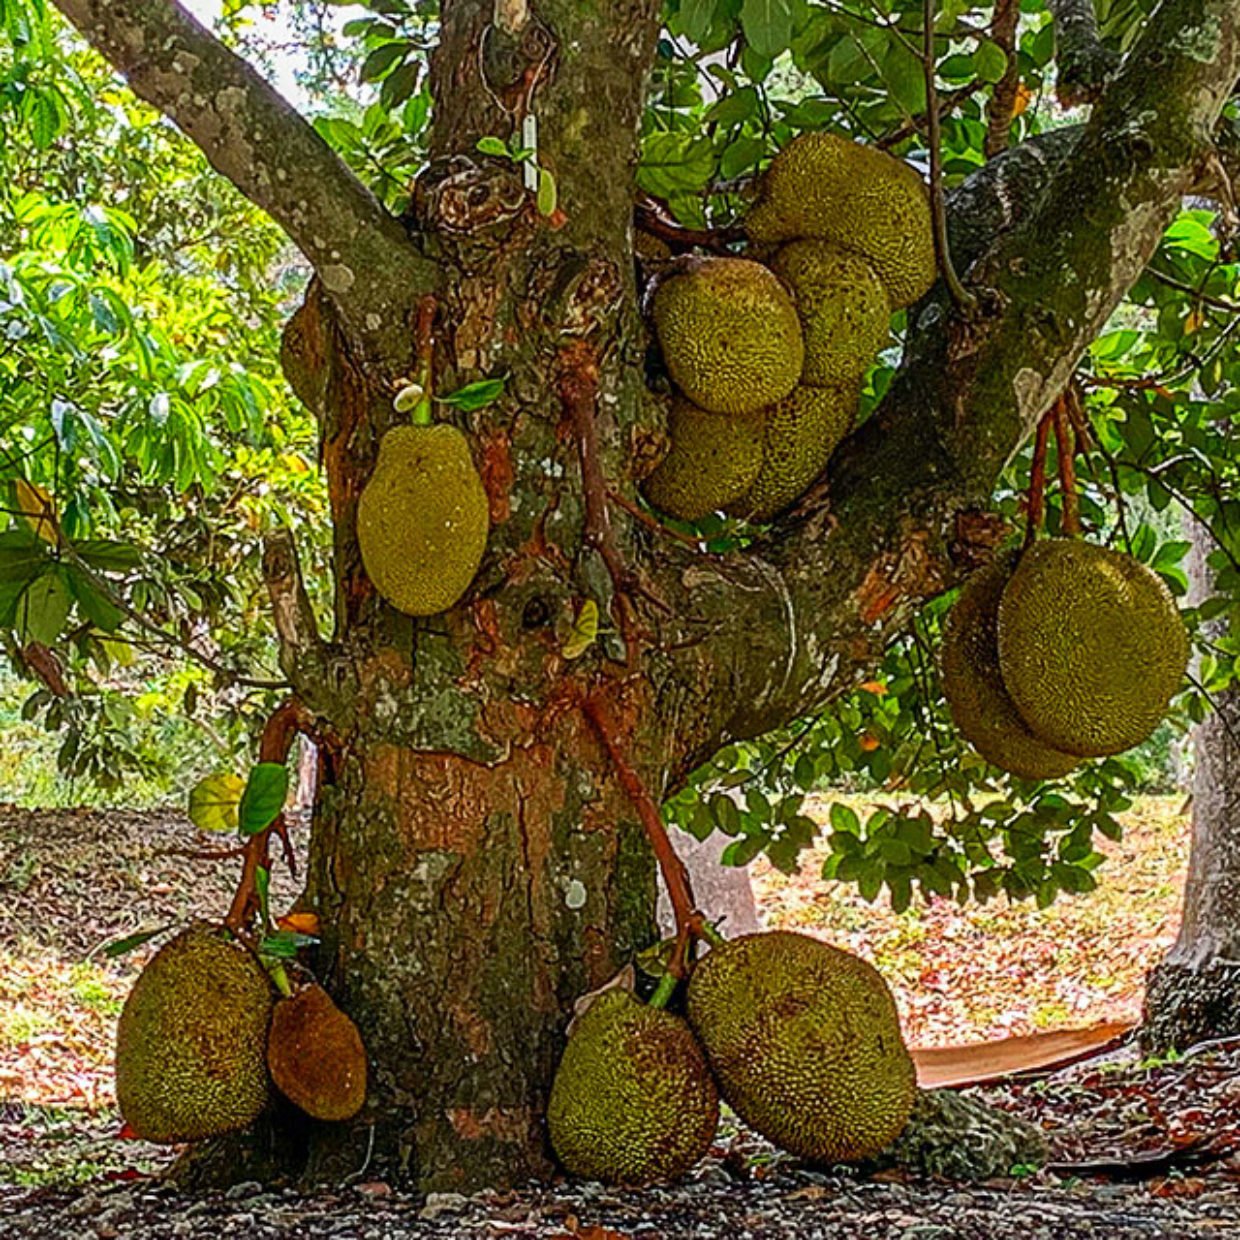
(1194, 992)
(473, 863)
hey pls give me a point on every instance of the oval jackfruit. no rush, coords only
(980, 706)
(1091, 646)
(714, 458)
(191, 1043)
(729, 333)
(316, 1056)
(423, 519)
(805, 1043)
(801, 432)
(827, 187)
(633, 1100)
(843, 308)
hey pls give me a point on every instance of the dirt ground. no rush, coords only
(1138, 1149)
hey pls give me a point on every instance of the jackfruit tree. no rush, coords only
(528, 653)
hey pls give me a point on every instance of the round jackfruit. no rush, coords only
(423, 519)
(981, 708)
(191, 1044)
(730, 335)
(827, 187)
(1091, 646)
(805, 1043)
(713, 460)
(802, 431)
(316, 1056)
(633, 1100)
(843, 308)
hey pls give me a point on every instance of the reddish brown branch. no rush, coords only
(689, 920)
(1065, 445)
(578, 385)
(1036, 503)
(651, 217)
(1003, 100)
(286, 721)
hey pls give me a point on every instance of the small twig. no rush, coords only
(689, 921)
(1036, 502)
(636, 512)
(651, 217)
(1206, 299)
(1065, 446)
(283, 725)
(947, 103)
(965, 300)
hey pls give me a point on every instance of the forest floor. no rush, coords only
(1139, 1149)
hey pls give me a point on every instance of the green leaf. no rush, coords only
(475, 395)
(263, 798)
(990, 62)
(214, 802)
(119, 947)
(696, 18)
(491, 145)
(285, 944)
(767, 25)
(844, 819)
(382, 60)
(43, 608)
(547, 193)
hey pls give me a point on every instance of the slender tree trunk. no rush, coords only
(1194, 993)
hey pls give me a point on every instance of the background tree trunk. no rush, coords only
(1194, 992)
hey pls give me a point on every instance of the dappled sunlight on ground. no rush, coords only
(989, 971)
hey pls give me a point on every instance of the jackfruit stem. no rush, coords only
(1065, 444)
(664, 991)
(421, 415)
(710, 935)
(279, 976)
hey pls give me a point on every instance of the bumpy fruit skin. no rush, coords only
(805, 1043)
(980, 705)
(730, 335)
(423, 519)
(316, 1056)
(192, 1039)
(1091, 646)
(714, 459)
(826, 187)
(633, 1100)
(801, 432)
(843, 308)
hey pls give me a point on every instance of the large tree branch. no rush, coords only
(1084, 64)
(783, 628)
(255, 138)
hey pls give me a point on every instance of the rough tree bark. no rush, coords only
(1194, 992)
(473, 861)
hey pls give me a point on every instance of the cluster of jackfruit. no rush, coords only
(203, 1035)
(1067, 651)
(423, 519)
(775, 352)
(801, 1039)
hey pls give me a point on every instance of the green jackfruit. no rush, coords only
(730, 335)
(1091, 646)
(805, 1043)
(802, 431)
(316, 1057)
(423, 519)
(713, 460)
(843, 308)
(981, 708)
(191, 1044)
(826, 187)
(633, 1099)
